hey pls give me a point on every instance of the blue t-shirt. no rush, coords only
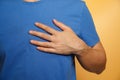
(21, 60)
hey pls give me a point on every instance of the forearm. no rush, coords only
(93, 60)
(66, 42)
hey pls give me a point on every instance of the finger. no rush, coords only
(51, 50)
(41, 44)
(39, 34)
(46, 28)
(60, 25)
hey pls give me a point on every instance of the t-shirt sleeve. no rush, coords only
(87, 30)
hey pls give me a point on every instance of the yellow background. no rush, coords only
(106, 15)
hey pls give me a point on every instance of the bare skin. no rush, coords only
(66, 42)
(31, 0)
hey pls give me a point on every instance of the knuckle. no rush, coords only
(46, 28)
(68, 28)
(60, 23)
(41, 34)
(45, 44)
(44, 49)
(51, 44)
(36, 43)
(36, 33)
(52, 38)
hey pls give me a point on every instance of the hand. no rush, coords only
(63, 42)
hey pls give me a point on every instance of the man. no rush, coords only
(71, 34)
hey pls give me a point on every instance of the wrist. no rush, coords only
(82, 49)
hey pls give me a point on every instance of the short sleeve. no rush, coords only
(87, 30)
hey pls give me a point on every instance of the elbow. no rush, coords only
(97, 68)
(101, 67)
(99, 71)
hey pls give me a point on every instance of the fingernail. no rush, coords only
(38, 47)
(36, 23)
(54, 20)
(31, 31)
(31, 41)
